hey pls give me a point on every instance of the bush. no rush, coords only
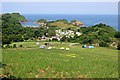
(7, 46)
(117, 35)
(2, 46)
(20, 45)
(103, 44)
(46, 44)
(10, 46)
(49, 40)
(54, 39)
(14, 46)
(118, 47)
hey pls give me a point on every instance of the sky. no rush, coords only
(60, 0)
(61, 7)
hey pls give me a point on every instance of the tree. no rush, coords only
(37, 33)
(117, 35)
(7, 46)
(78, 30)
(118, 47)
(17, 38)
(69, 28)
(51, 32)
(14, 46)
(103, 44)
(6, 39)
(10, 27)
(63, 39)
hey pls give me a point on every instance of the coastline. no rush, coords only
(88, 20)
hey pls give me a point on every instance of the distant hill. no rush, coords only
(11, 27)
(16, 16)
(63, 24)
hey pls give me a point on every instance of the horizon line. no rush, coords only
(57, 13)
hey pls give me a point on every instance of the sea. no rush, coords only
(88, 20)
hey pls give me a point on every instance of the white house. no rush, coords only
(78, 33)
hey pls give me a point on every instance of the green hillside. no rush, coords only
(63, 24)
(77, 62)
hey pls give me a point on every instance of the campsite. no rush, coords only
(59, 40)
(77, 62)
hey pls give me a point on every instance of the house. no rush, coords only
(67, 33)
(43, 37)
(78, 33)
(55, 37)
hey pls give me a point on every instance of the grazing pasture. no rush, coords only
(32, 62)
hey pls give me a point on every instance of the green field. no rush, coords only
(33, 62)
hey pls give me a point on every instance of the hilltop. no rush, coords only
(15, 16)
(61, 23)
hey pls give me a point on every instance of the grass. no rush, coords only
(32, 62)
(63, 25)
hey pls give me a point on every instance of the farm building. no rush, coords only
(55, 37)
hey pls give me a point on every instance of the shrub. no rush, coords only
(46, 44)
(54, 39)
(103, 44)
(118, 47)
(14, 46)
(7, 46)
(20, 45)
(2, 46)
(10, 46)
(49, 40)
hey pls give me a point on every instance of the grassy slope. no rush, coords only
(77, 62)
(63, 25)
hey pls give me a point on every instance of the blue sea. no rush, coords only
(88, 20)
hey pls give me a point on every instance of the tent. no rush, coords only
(84, 46)
(42, 46)
(91, 46)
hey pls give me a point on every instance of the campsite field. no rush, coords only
(33, 62)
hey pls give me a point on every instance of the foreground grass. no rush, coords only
(32, 62)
